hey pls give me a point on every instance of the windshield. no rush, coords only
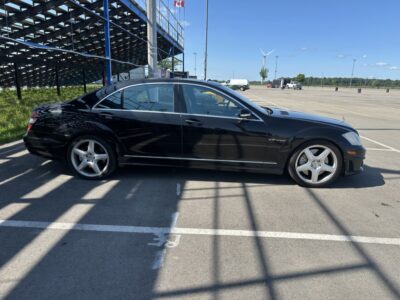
(257, 107)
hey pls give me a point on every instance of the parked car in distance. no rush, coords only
(294, 85)
(191, 123)
(241, 84)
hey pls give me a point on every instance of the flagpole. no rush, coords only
(205, 54)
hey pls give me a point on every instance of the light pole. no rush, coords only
(322, 80)
(352, 72)
(276, 66)
(205, 52)
(195, 63)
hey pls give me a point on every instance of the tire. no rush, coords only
(309, 167)
(242, 89)
(82, 159)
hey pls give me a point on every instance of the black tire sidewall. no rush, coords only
(292, 163)
(112, 164)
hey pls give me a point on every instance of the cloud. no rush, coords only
(394, 68)
(185, 23)
(364, 56)
(303, 48)
(381, 64)
(341, 55)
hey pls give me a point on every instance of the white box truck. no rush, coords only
(241, 84)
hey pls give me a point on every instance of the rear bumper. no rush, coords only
(44, 146)
(354, 160)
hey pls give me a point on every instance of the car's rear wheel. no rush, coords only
(316, 164)
(91, 157)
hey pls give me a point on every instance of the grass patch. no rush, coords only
(14, 113)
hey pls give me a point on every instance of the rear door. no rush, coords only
(144, 119)
(212, 130)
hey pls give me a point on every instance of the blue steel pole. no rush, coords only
(107, 46)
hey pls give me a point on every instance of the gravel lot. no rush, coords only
(172, 233)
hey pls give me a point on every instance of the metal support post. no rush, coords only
(17, 83)
(107, 45)
(84, 80)
(152, 38)
(58, 82)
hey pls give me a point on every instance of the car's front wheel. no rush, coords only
(91, 157)
(316, 164)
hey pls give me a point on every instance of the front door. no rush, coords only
(213, 131)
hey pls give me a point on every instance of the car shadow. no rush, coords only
(370, 177)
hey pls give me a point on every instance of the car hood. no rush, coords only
(296, 115)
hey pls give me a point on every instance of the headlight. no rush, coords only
(353, 138)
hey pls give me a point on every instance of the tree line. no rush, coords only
(345, 82)
(341, 81)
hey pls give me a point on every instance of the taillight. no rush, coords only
(32, 120)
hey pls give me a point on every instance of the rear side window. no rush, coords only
(150, 97)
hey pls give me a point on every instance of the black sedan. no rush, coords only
(190, 123)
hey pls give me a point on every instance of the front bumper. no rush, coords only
(354, 160)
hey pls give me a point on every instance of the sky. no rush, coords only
(314, 37)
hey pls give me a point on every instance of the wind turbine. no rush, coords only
(265, 56)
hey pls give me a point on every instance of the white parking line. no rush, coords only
(198, 231)
(17, 267)
(380, 144)
(159, 259)
(379, 149)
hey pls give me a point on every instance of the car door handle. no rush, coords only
(106, 115)
(193, 122)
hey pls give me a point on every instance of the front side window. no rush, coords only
(111, 102)
(148, 97)
(204, 101)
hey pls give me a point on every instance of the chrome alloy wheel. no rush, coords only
(90, 158)
(316, 164)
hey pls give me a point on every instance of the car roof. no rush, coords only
(118, 85)
(169, 80)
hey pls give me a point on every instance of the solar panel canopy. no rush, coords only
(42, 39)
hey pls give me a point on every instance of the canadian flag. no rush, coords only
(179, 3)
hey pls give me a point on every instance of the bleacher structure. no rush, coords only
(62, 42)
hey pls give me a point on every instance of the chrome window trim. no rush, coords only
(203, 159)
(174, 83)
(173, 113)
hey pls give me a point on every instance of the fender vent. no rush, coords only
(285, 113)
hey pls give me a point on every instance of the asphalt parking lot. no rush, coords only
(152, 233)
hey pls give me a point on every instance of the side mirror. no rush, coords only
(245, 114)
